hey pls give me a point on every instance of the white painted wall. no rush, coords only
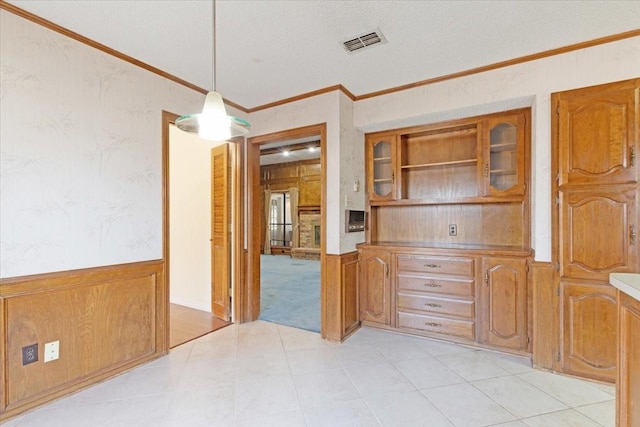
(189, 220)
(80, 153)
(527, 84)
(80, 142)
(323, 108)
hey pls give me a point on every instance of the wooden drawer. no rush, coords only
(440, 325)
(437, 285)
(435, 264)
(435, 305)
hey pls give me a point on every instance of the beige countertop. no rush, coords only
(629, 283)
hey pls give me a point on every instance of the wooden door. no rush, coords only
(628, 395)
(375, 287)
(589, 333)
(220, 232)
(597, 231)
(598, 127)
(504, 303)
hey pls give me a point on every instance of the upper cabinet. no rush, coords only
(471, 160)
(587, 118)
(381, 158)
(439, 163)
(504, 155)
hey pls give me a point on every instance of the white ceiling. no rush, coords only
(269, 50)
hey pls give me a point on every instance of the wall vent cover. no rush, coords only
(368, 39)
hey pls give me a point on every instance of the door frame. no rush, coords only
(237, 214)
(251, 286)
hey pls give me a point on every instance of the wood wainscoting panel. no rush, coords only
(545, 319)
(339, 303)
(106, 320)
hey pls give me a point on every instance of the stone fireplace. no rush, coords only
(310, 232)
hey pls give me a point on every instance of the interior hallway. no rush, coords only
(263, 374)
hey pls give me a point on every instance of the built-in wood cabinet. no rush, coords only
(375, 286)
(598, 231)
(504, 155)
(598, 128)
(435, 294)
(503, 302)
(595, 199)
(447, 203)
(589, 327)
(628, 384)
(380, 166)
(473, 295)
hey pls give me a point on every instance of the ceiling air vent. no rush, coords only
(368, 39)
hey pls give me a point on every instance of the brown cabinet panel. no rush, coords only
(505, 155)
(437, 285)
(504, 303)
(598, 127)
(436, 264)
(597, 232)
(589, 330)
(438, 325)
(350, 306)
(375, 286)
(436, 305)
(628, 392)
(310, 190)
(381, 167)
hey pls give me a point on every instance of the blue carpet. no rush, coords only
(290, 291)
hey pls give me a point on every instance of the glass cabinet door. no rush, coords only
(381, 164)
(504, 156)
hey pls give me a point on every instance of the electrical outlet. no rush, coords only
(29, 354)
(453, 230)
(51, 351)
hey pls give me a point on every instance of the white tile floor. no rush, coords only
(262, 374)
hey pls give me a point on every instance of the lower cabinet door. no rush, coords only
(375, 286)
(628, 398)
(589, 330)
(503, 294)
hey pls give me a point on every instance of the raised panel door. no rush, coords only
(375, 287)
(381, 175)
(598, 128)
(628, 395)
(589, 332)
(504, 303)
(597, 232)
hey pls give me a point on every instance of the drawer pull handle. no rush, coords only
(435, 325)
(432, 265)
(430, 304)
(433, 285)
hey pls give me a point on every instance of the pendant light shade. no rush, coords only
(213, 123)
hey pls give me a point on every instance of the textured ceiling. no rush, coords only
(270, 50)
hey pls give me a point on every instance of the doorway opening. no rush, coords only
(286, 182)
(192, 275)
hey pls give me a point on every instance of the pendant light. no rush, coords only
(213, 123)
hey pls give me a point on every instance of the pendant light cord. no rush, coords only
(213, 42)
